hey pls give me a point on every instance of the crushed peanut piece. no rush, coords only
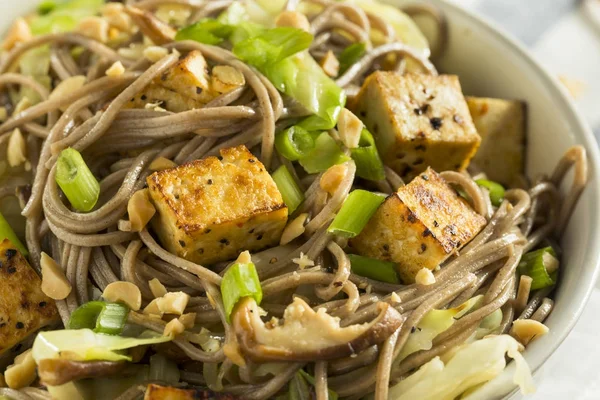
(188, 320)
(425, 277)
(157, 288)
(333, 177)
(330, 64)
(349, 127)
(174, 328)
(173, 303)
(19, 32)
(294, 229)
(22, 373)
(293, 19)
(155, 53)
(226, 78)
(303, 261)
(16, 149)
(54, 282)
(115, 70)
(526, 330)
(140, 210)
(124, 292)
(95, 28)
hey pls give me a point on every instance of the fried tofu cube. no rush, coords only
(418, 121)
(419, 226)
(502, 127)
(157, 392)
(210, 210)
(185, 86)
(24, 308)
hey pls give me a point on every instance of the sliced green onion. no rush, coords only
(294, 143)
(76, 180)
(542, 266)
(325, 154)
(332, 395)
(112, 319)
(291, 193)
(350, 56)
(272, 46)
(355, 213)
(240, 280)
(163, 369)
(46, 7)
(496, 190)
(383, 271)
(368, 163)
(107, 318)
(86, 315)
(6, 232)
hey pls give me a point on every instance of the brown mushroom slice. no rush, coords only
(152, 27)
(55, 371)
(306, 334)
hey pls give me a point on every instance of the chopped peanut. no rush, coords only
(350, 128)
(157, 288)
(188, 320)
(425, 277)
(526, 330)
(174, 14)
(332, 178)
(68, 86)
(16, 149)
(152, 27)
(117, 69)
(173, 303)
(293, 19)
(155, 53)
(114, 14)
(19, 32)
(161, 163)
(124, 292)
(152, 308)
(54, 283)
(293, 229)
(330, 64)
(95, 28)
(226, 78)
(22, 373)
(174, 328)
(140, 210)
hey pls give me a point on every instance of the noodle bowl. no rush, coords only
(120, 144)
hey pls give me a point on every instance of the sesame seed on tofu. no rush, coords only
(24, 308)
(419, 226)
(418, 121)
(210, 210)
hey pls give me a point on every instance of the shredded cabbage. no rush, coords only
(471, 365)
(85, 345)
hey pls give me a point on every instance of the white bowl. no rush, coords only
(491, 63)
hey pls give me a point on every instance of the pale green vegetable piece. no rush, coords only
(85, 345)
(465, 368)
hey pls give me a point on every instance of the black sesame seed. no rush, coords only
(209, 182)
(420, 147)
(426, 232)
(362, 113)
(259, 236)
(182, 243)
(224, 241)
(386, 247)
(411, 216)
(10, 253)
(11, 270)
(20, 325)
(413, 329)
(208, 230)
(251, 230)
(42, 304)
(144, 97)
(423, 247)
(198, 90)
(2, 324)
(200, 251)
(424, 177)
(436, 123)
(436, 224)
(251, 160)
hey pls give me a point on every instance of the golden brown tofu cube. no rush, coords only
(157, 392)
(502, 127)
(418, 121)
(24, 308)
(210, 210)
(183, 87)
(419, 226)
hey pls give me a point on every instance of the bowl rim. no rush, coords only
(583, 135)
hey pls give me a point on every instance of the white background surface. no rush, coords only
(568, 44)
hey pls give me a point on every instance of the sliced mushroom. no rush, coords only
(152, 27)
(55, 371)
(306, 334)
